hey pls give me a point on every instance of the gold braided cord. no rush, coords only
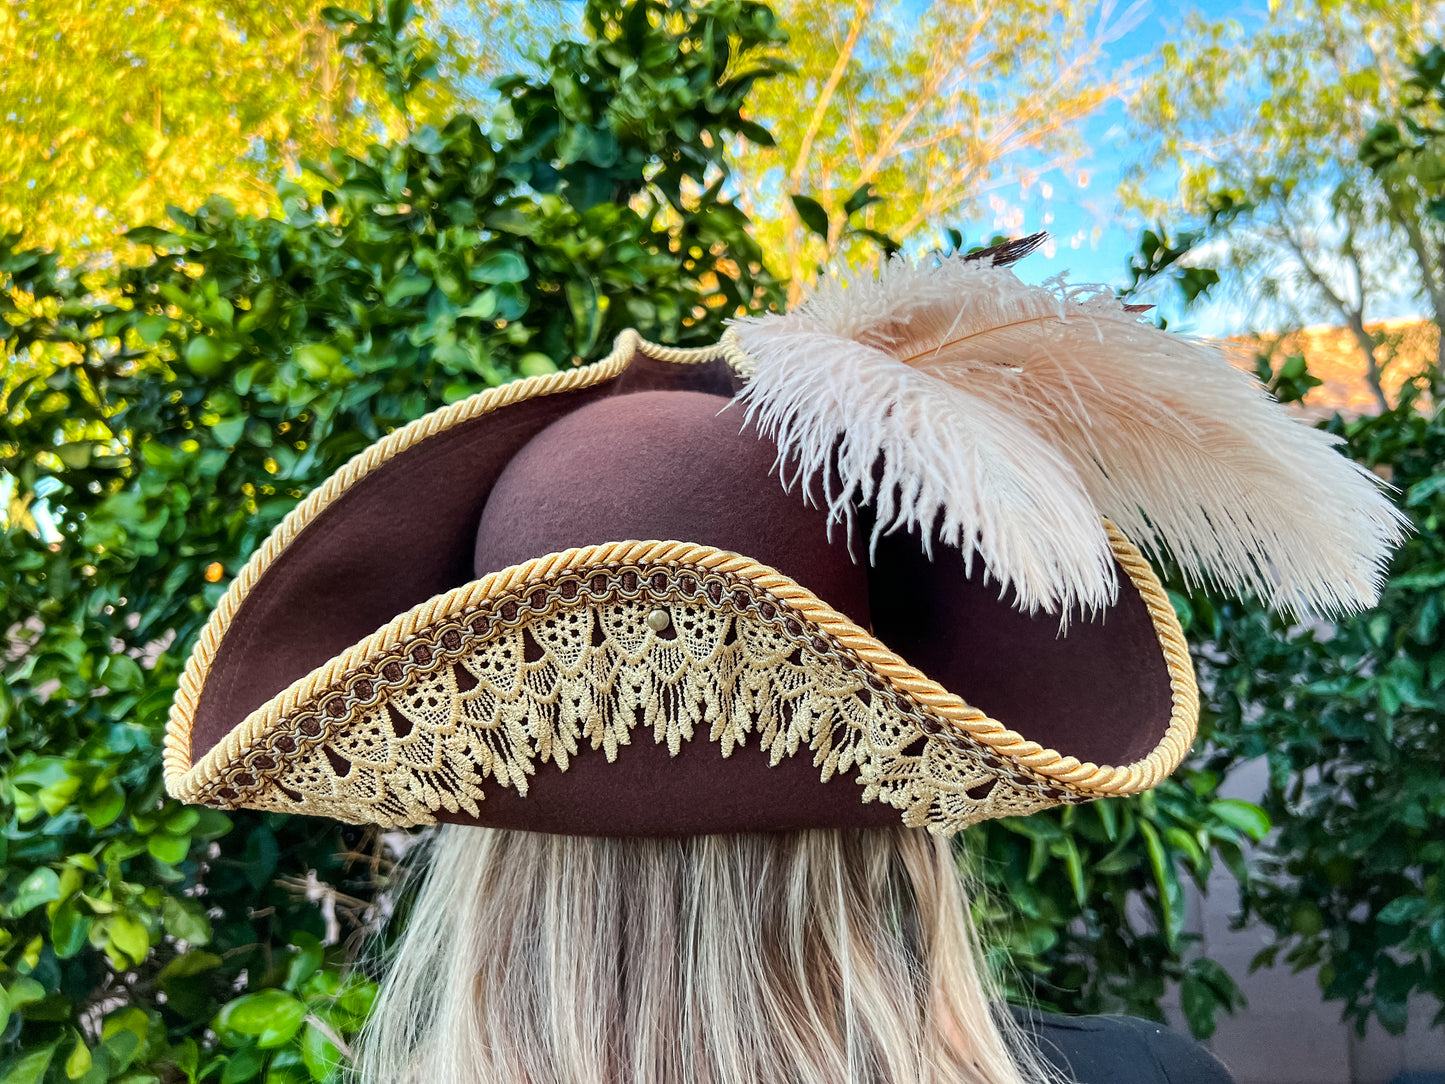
(177, 754)
(1087, 779)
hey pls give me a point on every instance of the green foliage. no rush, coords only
(1348, 717)
(203, 97)
(1347, 713)
(1166, 263)
(405, 62)
(1407, 152)
(159, 418)
(1066, 890)
(1289, 381)
(817, 221)
(199, 97)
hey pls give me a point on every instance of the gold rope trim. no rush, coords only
(1077, 781)
(177, 753)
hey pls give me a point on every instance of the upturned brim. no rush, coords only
(355, 668)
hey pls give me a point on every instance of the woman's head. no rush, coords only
(807, 957)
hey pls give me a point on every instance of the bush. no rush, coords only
(1086, 903)
(1348, 716)
(1347, 713)
(160, 418)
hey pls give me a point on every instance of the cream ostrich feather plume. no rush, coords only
(1010, 420)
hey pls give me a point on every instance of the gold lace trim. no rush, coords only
(626, 347)
(537, 663)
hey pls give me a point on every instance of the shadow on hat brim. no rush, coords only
(303, 691)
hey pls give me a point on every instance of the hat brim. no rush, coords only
(421, 718)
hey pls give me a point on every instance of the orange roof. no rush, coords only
(1405, 346)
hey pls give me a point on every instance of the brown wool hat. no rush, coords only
(617, 601)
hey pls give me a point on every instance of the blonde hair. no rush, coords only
(801, 957)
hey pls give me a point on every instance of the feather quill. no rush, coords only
(1010, 419)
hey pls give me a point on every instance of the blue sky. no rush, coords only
(1110, 234)
(1094, 235)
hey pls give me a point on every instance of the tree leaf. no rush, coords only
(1402, 910)
(500, 267)
(270, 1017)
(243, 1065)
(28, 1067)
(24, 991)
(308, 957)
(1199, 1003)
(122, 1036)
(1170, 895)
(861, 197)
(122, 674)
(405, 286)
(186, 920)
(319, 1054)
(40, 886)
(1244, 816)
(128, 936)
(69, 930)
(755, 132)
(168, 848)
(79, 1061)
(814, 217)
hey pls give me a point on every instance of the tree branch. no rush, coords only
(933, 77)
(830, 86)
(1428, 260)
(1353, 315)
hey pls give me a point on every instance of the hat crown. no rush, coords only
(666, 465)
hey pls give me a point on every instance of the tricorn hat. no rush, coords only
(881, 557)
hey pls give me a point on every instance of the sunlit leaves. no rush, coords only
(1271, 116)
(115, 110)
(164, 413)
(197, 98)
(270, 1017)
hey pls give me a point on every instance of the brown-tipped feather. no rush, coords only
(1010, 252)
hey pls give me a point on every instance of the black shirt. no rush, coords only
(1120, 1050)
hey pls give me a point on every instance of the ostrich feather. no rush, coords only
(1011, 419)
